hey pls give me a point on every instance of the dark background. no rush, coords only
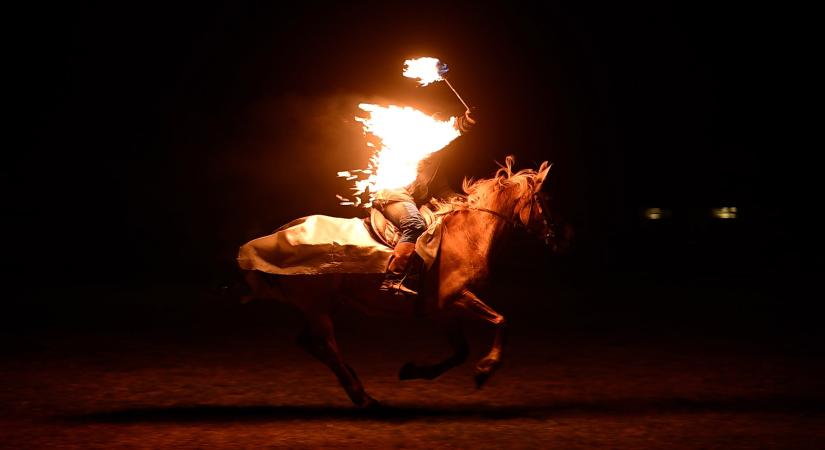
(155, 140)
(147, 142)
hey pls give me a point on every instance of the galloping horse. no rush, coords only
(472, 224)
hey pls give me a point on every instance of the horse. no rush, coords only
(472, 223)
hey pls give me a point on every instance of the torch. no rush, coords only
(429, 70)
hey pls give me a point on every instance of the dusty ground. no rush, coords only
(625, 364)
(251, 390)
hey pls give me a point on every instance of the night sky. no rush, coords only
(158, 139)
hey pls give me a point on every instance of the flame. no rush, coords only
(406, 136)
(427, 70)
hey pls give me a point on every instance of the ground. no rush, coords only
(249, 389)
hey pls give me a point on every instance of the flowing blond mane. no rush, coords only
(492, 193)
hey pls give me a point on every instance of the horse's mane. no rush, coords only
(491, 192)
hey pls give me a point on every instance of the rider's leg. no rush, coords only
(406, 217)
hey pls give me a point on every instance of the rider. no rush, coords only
(400, 206)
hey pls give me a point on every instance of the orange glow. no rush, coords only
(406, 136)
(425, 69)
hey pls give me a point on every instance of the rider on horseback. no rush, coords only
(400, 206)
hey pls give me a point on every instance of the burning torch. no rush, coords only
(429, 70)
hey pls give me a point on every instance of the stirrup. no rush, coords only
(394, 282)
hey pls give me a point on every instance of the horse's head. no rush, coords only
(540, 221)
(531, 209)
(555, 233)
(516, 197)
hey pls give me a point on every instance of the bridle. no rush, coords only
(536, 200)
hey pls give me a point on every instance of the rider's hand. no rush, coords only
(469, 115)
(467, 122)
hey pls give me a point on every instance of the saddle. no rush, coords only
(426, 248)
(386, 232)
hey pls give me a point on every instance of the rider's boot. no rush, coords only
(397, 270)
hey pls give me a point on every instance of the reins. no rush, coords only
(512, 221)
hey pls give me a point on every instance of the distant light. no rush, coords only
(725, 212)
(656, 213)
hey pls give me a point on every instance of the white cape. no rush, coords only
(320, 244)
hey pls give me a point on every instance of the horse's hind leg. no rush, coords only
(455, 335)
(318, 339)
(471, 306)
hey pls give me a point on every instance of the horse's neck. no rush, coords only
(476, 232)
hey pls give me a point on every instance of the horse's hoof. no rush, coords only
(370, 403)
(481, 377)
(407, 372)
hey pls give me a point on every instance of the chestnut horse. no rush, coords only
(471, 225)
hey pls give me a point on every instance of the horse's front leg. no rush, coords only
(469, 305)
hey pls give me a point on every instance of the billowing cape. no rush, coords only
(321, 244)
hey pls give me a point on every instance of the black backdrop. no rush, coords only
(157, 139)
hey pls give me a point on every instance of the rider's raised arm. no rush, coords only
(466, 122)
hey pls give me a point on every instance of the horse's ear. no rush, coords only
(542, 175)
(510, 160)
